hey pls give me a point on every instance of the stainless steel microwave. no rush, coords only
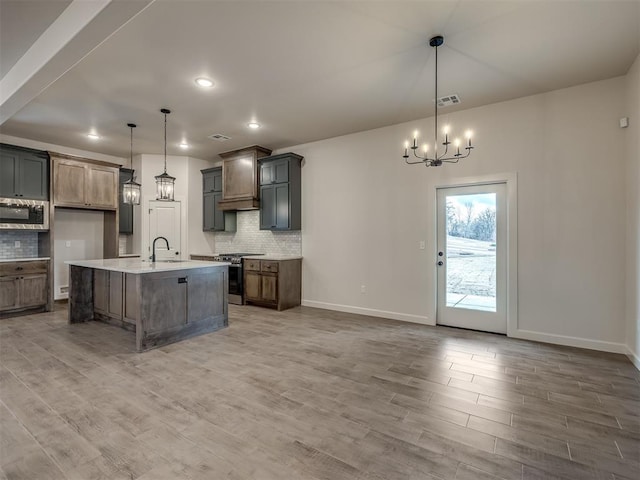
(21, 214)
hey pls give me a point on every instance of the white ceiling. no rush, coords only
(308, 70)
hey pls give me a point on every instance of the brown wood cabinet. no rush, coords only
(24, 285)
(273, 283)
(240, 178)
(83, 184)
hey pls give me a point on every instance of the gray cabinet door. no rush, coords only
(214, 219)
(208, 211)
(126, 209)
(24, 173)
(218, 215)
(274, 209)
(209, 181)
(274, 172)
(8, 173)
(33, 180)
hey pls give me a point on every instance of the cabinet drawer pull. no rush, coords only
(182, 280)
(19, 268)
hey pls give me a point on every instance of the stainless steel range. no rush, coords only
(236, 274)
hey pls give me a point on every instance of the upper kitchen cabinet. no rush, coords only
(126, 209)
(214, 219)
(280, 192)
(24, 173)
(84, 183)
(240, 178)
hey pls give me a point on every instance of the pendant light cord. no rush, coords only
(131, 127)
(436, 106)
(131, 151)
(165, 143)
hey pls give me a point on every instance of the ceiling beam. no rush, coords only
(80, 28)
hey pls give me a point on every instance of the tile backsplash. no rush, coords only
(28, 244)
(250, 239)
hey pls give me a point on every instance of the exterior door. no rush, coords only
(165, 221)
(472, 257)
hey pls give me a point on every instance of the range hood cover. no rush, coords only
(240, 178)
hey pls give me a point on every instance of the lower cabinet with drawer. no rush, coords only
(24, 286)
(273, 283)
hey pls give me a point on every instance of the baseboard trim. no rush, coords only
(635, 359)
(405, 317)
(571, 341)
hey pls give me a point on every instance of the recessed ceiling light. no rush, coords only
(93, 136)
(184, 145)
(253, 125)
(204, 82)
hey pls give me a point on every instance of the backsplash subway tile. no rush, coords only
(250, 239)
(28, 244)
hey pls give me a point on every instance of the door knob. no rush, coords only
(440, 263)
(440, 254)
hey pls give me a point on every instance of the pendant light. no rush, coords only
(130, 188)
(437, 158)
(164, 182)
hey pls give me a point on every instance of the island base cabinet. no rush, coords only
(182, 304)
(162, 307)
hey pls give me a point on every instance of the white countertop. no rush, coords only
(137, 266)
(266, 256)
(30, 259)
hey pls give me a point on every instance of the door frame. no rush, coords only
(511, 181)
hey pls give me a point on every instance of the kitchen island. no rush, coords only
(163, 302)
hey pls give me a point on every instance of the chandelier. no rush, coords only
(131, 188)
(165, 182)
(437, 158)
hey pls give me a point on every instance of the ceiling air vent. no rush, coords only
(218, 137)
(448, 100)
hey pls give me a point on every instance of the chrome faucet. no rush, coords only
(153, 255)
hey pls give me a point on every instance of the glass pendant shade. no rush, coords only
(131, 191)
(164, 186)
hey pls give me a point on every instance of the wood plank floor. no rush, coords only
(310, 394)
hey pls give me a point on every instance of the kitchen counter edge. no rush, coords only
(24, 259)
(136, 266)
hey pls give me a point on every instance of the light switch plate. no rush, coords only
(67, 243)
(16, 244)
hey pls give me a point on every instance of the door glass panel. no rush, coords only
(471, 251)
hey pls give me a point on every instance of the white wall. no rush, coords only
(150, 166)
(188, 190)
(365, 211)
(633, 212)
(83, 229)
